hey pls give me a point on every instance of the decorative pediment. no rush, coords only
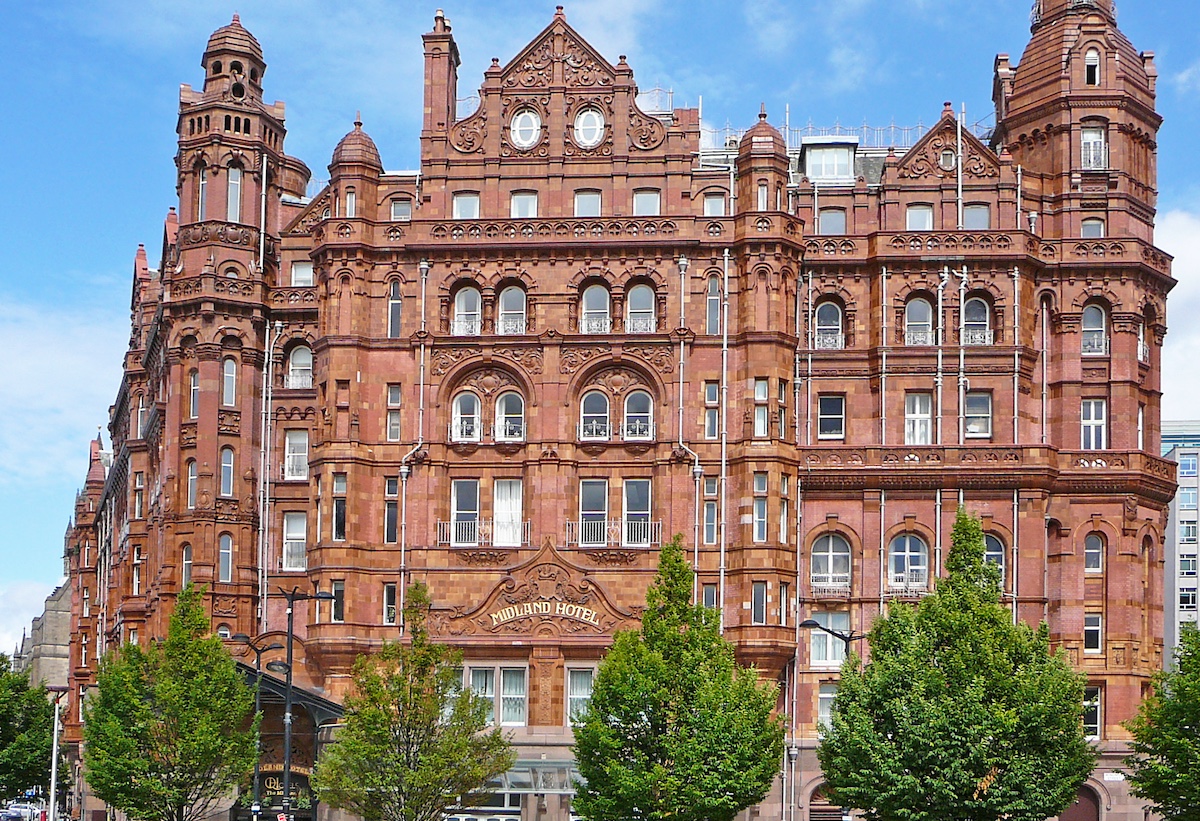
(313, 213)
(544, 596)
(928, 159)
(557, 56)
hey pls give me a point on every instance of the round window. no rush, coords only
(526, 129)
(589, 128)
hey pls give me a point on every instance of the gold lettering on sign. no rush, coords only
(562, 609)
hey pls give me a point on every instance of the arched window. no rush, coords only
(830, 562)
(641, 310)
(512, 310)
(908, 562)
(191, 484)
(1093, 553)
(712, 307)
(828, 336)
(993, 551)
(225, 632)
(201, 190)
(1091, 67)
(300, 368)
(233, 199)
(466, 312)
(1095, 331)
(226, 471)
(510, 417)
(351, 203)
(229, 382)
(193, 394)
(185, 573)
(225, 558)
(918, 322)
(593, 423)
(639, 416)
(393, 328)
(977, 322)
(464, 424)
(595, 319)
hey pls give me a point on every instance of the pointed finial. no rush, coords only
(948, 109)
(762, 112)
(237, 21)
(558, 13)
(358, 121)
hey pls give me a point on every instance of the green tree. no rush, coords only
(960, 714)
(1165, 767)
(26, 727)
(414, 742)
(170, 729)
(675, 728)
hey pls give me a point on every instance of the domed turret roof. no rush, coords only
(762, 137)
(234, 37)
(357, 148)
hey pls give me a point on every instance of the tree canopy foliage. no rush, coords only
(960, 715)
(414, 742)
(170, 729)
(26, 728)
(675, 728)
(1165, 766)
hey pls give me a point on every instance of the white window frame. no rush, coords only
(594, 425)
(302, 274)
(468, 312)
(508, 499)
(971, 214)
(908, 561)
(918, 217)
(394, 393)
(585, 199)
(828, 335)
(1188, 498)
(1093, 553)
(1091, 67)
(636, 524)
(1094, 326)
(466, 424)
(576, 700)
(1093, 147)
(465, 205)
(595, 318)
(1093, 725)
(510, 424)
(191, 484)
(512, 308)
(295, 455)
(977, 415)
(228, 382)
(759, 520)
(300, 367)
(918, 418)
(638, 425)
(233, 194)
(464, 519)
(395, 309)
(714, 205)
(295, 541)
(1093, 633)
(185, 575)
(831, 222)
(523, 205)
(1188, 563)
(340, 514)
(826, 693)
(647, 202)
(831, 409)
(1189, 465)
(390, 613)
(337, 607)
(485, 686)
(826, 650)
(712, 306)
(225, 558)
(351, 204)
(1187, 600)
(640, 317)
(712, 411)
(918, 331)
(1093, 424)
(193, 394)
(831, 552)
(401, 209)
(1092, 228)
(227, 468)
(759, 593)
(829, 162)
(977, 324)
(593, 522)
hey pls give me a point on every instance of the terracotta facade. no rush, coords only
(582, 329)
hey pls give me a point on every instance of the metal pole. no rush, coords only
(256, 807)
(287, 712)
(54, 764)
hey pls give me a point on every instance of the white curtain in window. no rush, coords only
(512, 696)
(507, 509)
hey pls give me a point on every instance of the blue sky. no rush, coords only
(90, 94)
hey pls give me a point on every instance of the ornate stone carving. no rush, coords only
(528, 358)
(187, 434)
(482, 558)
(617, 380)
(645, 132)
(580, 68)
(224, 606)
(470, 135)
(228, 421)
(488, 381)
(612, 557)
(926, 160)
(573, 359)
(446, 358)
(659, 356)
(535, 69)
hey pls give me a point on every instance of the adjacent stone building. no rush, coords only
(583, 327)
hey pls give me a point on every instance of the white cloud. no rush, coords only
(772, 26)
(1178, 233)
(62, 373)
(1188, 79)
(19, 603)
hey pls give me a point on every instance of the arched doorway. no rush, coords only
(821, 809)
(1085, 808)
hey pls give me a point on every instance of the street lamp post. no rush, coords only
(58, 691)
(813, 624)
(256, 807)
(292, 597)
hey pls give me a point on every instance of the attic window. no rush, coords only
(947, 160)
(829, 162)
(1091, 67)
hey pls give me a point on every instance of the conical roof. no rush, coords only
(234, 37)
(357, 148)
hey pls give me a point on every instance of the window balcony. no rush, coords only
(637, 431)
(595, 325)
(295, 467)
(910, 582)
(298, 381)
(483, 533)
(977, 337)
(594, 431)
(465, 430)
(511, 325)
(641, 325)
(919, 338)
(627, 532)
(828, 341)
(465, 326)
(1095, 343)
(511, 430)
(830, 585)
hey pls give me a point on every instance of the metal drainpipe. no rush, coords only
(697, 471)
(941, 329)
(962, 355)
(405, 469)
(883, 352)
(264, 473)
(1016, 509)
(1016, 342)
(724, 475)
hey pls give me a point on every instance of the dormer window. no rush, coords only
(828, 163)
(1091, 67)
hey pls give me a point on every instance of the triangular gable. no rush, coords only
(924, 160)
(546, 595)
(310, 216)
(557, 44)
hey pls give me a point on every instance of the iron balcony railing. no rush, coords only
(632, 531)
(1095, 343)
(977, 337)
(465, 430)
(920, 338)
(640, 325)
(828, 341)
(510, 325)
(594, 430)
(483, 533)
(595, 325)
(913, 580)
(295, 466)
(637, 430)
(298, 380)
(465, 326)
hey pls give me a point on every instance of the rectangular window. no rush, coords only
(646, 202)
(389, 603)
(1091, 713)
(918, 218)
(351, 204)
(339, 507)
(337, 610)
(978, 413)
(302, 274)
(708, 595)
(714, 205)
(295, 455)
(784, 602)
(712, 413)
(466, 205)
(826, 649)
(831, 221)
(831, 416)
(139, 494)
(825, 696)
(390, 492)
(1187, 600)
(1092, 229)
(233, 198)
(133, 635)
(784, 513)
(482, 681)
(1093, 424)
(977, 218)
(1092, 633)
(393, 413)
(1187, 565)
(593, 513)
(1187, 498)
(762, 426)
(637, 524)
(918, 419)
(587, 203)
(1187, 465)
(401, 210)
(758, 603)
(524, 205)
(579, 692)
(1094, 153)
(710, 522)
(464, 518)
(830, 162)
(760, 507)
(764, 195)
(507, 529)
(137, 567)
(512, 696)
(295, 535)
